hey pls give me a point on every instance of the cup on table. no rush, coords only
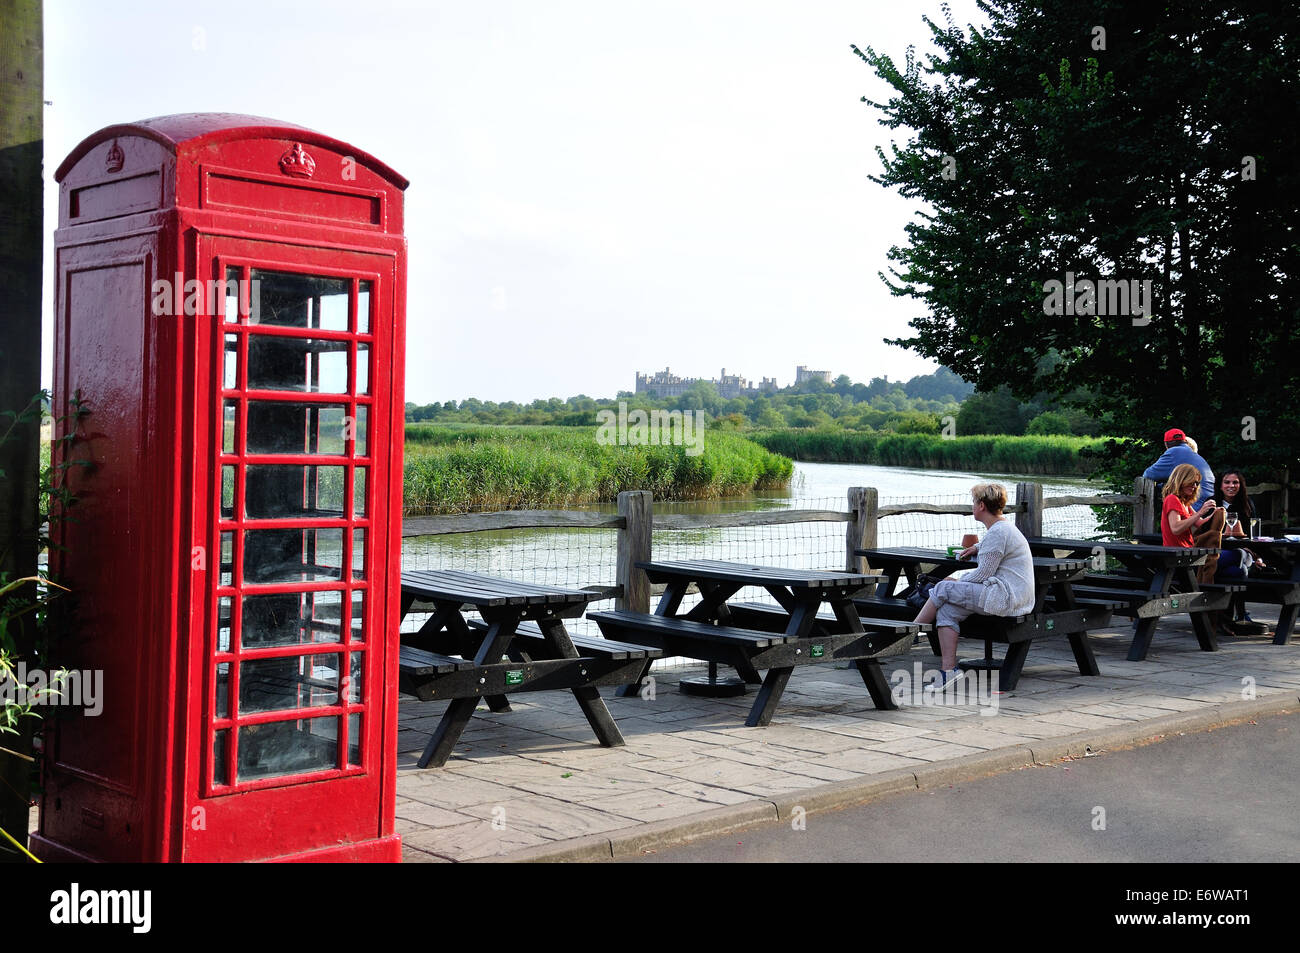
(1256, 525)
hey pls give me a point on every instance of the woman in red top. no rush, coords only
(1177, 519)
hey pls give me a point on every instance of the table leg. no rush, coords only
(589, 700)
(877, 687)
(1204, 632)
(1012, 663)
(669, 602)
(769, 696)
(448, 732)
(1079, 644)
(1083, 656)
(1146, 630)
(498, 704)
(495, 644)
(1285, 622)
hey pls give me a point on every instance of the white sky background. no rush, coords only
(597, 188)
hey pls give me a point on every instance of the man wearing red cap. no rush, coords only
(1176, 452)
(1210, 532)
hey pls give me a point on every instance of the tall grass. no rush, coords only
(456, 468)
(1041, 454)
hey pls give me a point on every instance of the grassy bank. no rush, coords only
(1046, 455)
(456, 468)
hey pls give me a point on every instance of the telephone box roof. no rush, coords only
(187, 132)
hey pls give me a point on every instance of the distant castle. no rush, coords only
(802, 374)
(667, 384)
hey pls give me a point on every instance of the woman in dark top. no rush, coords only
(1232, 496)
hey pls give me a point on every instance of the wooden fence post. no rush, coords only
(637, 508)
(862, 530)
(1030, 520)
(1143, 506)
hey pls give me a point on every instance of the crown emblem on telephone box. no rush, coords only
(297, 162)
(115, 159)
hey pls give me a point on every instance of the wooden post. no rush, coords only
(862, 531)
(1030, 521)
(21, 243)
(1144, 506)
(637, 507)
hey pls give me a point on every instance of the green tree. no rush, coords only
(1163, 151)
(994, 412)
(1049, 422)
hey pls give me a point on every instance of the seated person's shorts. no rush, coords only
(956, 600)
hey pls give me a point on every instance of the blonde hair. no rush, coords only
(992, 495)
(1183, 475)
(1191, 444)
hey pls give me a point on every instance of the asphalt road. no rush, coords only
(1224, 795)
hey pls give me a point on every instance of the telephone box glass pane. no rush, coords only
(297, 681)
(358, 554)
(287, 491)
(288, 747)
(227, 568)
(228, 424)
(358, 615)
(232, 295)
(299, 301)
(276, 426)
(359, 492)
(363, 415)
(230, 362)
(354, 679)
(291, 618)
(307, 365)
(363, 307)
(219, 742)
(293, 555)
(363, 369)
(223, 690)
(228, 492)
(223, 624)
(354, 739)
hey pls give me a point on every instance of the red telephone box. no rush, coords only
(230, 296)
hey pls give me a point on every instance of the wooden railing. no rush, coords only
(635, 522)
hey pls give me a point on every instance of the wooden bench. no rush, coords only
(751, 649)
(770, 618)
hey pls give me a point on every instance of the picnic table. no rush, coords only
(450, 657)
(1277, 584)
(1157, 581)
(1058, 608)
(814, 621)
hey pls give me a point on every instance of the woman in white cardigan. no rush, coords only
(1002, 584)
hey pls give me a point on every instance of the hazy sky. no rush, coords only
(597, 188)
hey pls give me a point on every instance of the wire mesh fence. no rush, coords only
(576, 558)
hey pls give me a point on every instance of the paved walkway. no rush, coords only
(533, 784)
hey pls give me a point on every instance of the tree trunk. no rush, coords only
(21, 226)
